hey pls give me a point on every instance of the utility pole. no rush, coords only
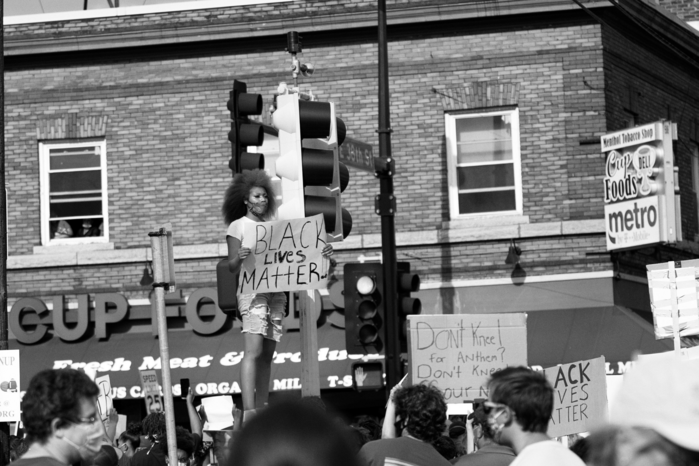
(386, 208)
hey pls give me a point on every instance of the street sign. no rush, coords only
(151, 391)
(357, 154)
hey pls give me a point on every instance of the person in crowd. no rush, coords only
(17, 447)
(371, 424)
(654, 418)
(580, 447)
(420, 413)
(291, 434)
(446, 447)
(519, 406)
(457, 432)
(489, 453)
(186, 443)
(61, 422)
(250, 198)
(154, 430)
(128, 442)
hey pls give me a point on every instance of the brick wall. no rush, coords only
(687, 10)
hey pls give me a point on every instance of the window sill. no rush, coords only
(72, 248)
(485, 221)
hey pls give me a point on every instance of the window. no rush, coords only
(695, 178)
(484, 163)
(73, 193)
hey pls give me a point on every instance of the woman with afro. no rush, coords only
(250, 198)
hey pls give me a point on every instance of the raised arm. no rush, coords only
(194, 420)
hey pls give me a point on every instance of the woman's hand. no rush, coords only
(243, 252)
(328, 250)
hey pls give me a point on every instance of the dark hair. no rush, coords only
(153, 426)
(233, 207)
(132, 436)
(446, 447)
(581, 448)
(371, 424)
(527, 393)
(184, 440)
(54, 394)
(291, 434)
(423, 410)
(18, 447)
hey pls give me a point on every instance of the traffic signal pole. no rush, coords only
(386, 208)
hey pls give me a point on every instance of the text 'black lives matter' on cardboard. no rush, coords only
(286, 256)
(580, 396)
(457, 353)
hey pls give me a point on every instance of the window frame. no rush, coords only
(44, 190)
(452, 165)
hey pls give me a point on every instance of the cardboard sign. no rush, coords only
(580, 396)
(219, 412)
(10, 399)
(104, 400)
(458, 353)
(286, 256)
(683, 282)
(151, 391)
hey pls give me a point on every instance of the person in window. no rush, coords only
(250, 198)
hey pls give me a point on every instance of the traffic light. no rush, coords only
(312, 176)
(407, 283)
(226, 284)
(243, 132)
(364, 308)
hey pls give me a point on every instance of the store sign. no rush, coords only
(639, 175)
(10, 396)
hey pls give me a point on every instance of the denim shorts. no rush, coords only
(262, 313)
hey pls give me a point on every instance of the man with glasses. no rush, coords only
(518, 410)
(489, 453)
(59, 412)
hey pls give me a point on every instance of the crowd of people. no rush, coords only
(62, 427)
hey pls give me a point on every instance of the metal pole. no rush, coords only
(4, 342)
(388, 229)
(156, 242)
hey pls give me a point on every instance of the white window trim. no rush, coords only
(450, 131)
(46, 240)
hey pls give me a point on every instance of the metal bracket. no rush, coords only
(385, 204)
(384, 166)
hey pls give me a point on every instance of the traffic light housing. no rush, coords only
(407, 283)
(244, 132)
(312, 176)
(364, 308)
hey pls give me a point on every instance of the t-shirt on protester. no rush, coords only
(547, 453)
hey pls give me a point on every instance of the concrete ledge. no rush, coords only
(59, 257)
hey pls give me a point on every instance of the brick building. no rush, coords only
(130, 105)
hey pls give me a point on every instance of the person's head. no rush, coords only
(17, 447)
(249, 191)
(641, 446)
(446, 447)
(129, 441)
(185, 446)
(519, 398)
(60, 407)
(481, 434)
(291, 434)
(421, 410)
(371, 424)
(153, 426)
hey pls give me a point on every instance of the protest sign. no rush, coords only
(104, 400)
(219, 412)
(10, 399)
(579, 398)
(457, 353)
(286, 256)
(151, 391)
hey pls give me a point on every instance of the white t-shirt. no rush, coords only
(547, 453)
(237, 227)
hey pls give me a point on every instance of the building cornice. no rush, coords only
(81, 35)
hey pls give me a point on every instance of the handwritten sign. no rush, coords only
(286, 256)
(458, 353)
(580, 396)
(151, 391)
(10, 399)
(104, 400)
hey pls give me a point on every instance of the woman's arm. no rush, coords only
(236, 254)
(194, 421)
(388, 430)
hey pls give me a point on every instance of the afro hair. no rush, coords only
(233, 207)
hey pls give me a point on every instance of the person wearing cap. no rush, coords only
(489, 453)
(518, 410)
